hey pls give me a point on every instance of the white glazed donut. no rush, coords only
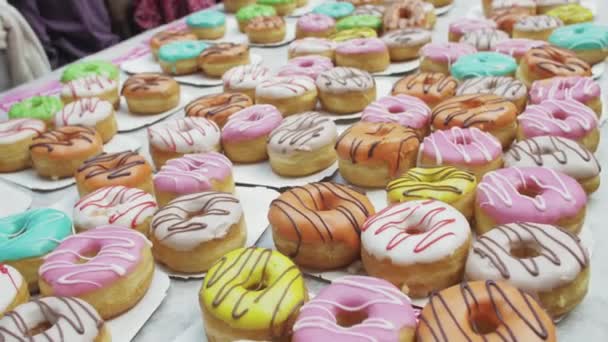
(285, 87)
(15, 130)
(87, 112)
(89, 86)
(245, 77)
(186, 135)
(311, 46)
(484, 39)
(344, 80)
(307, 132)
(12, 286)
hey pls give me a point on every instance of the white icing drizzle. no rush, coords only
(285, 87)
(307, 132)
(15, 130)
(537, 23)
(447, 141)
(245, 77)
(544, 116)
(89, 86)
(504, 86)
(10, 283)
(407, 37)
(484, 39)
(502, 4)
(85, 112)
(344, 79)
(311, 46)
(186, 135)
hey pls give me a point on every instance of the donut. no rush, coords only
(335, 10)
(527, 6)
(37, 107)
(180, 57)
(91, 86)
(405, 44)
(405, 110)
(207, 24)
(312, 46)
(419, 246)
(371, 154)
(549, 61)
(289, 94)
(536, 27)
(14, 289)
(315, 25)
(439, 57)
(90, 112)
(361, 32)
(252, 293)
(168, 36)
(90, 67)
(266, 30)
(54, 319)
(58, 153)
(193, 173)
(16, 136)
(562, 118)
(318, 225)
(491, 310)
(359, 3)
(458, 28)
(430, 87)
(447, 184)
(247, 13)
(328, 315)
(150, 93)
(359, 21)
(172, 139)
(283, 7)
(126, 168)
(518, 47)
(369, 54)
(218, 107)
(409, 13)
(484, 64)
(27, 237)
(344, 90)
(507, 18)
(544, 6)
(302, 144)
(529, 194)
(192, 232)
(488, 112)
(99, 262)
(310, 66)
(589, 41)
(540, 259)
(115, 205)
(441, 3)
(375, 10)
(469, 149)
(484, 39)
(582, 89)
(507, 87)
(245, 78)
(572, 14)
(219, 58)
(244, 135)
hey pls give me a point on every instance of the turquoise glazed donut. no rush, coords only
(87, 68)
(181, 50)
(589, 41)
(335, 10)
(483, 64)
(206, 19)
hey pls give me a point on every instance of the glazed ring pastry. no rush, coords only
(447, 184)
(283, 7)
(169, 36)
(58, 153)
(419, 246)
(589, 41)
(549, 61)
(518, 47)
(507, 311)
(488, 112)
(560, 154)
(97, 263)
(484, 64)
(409, 13)
(245, 78)
(459, 28)
(375, 10)
(312, 46)
(14, 289)
(192, 232)
(16, 136)
(309, 66)
(27, 237)
(37, 107)
(317, 225)
(90, 112)
(315, 25)
(562, 118)
(544, 6)
(582, 89)
(507, 87)
(116, 204)
(68, 319)
(90, 67)
(247, 13)
(572, 14)
(356, 33)
(91, 86)
(179, 58)
(219, 58)
(369, 54)
(345, 90)
(371, 154)
(266, 30)
(529, 194)
(325, 317)
(218, 107)
(405, 110)
(175, 138)
(231, 301)
(484, 39)
(359, 21)
(193, 173)
(302, 144)
(537, 27)
(439, 57)
(149, 93)
(468, 149)
(405, 44)
(289, 94)
(540, 259)
(430, 87)
(359, 3)
(123, 168)
(207, 24)
(506, 18)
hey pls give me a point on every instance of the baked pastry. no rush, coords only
(369, 54)
(37, 107)
(91, 86)
(315, 25)
(572, 13)
(266, 30)
(16, 136)
(506, 18)
(283, 7)
(405, 44)
(356, 33)
(302, 144)
(192, 232)
(529, 194)
(89, 112)
(526, 6)
(371, 154)
(582, 89)
(168, 36)
(175, 138)
(14, 289)
(218, 107)
(312, 46)
(245, 78)
(150, 93)
(232, 6)
(219, 58)
(336, 10)
(588, 41)
(549, 61)
(246, 13)
(430, 87)
(58, 153)
(345, 90)
(544, 6)
(123, 168)
(289, 94)
(458, 28)
(359, 21)
(484, 64)
(86, 266)
(309, 66)
(179, 58)
(536, 27)
(245, 134)
(207, 24)
(90, 67)
(409, 13)
(484, 39)
(317, 225)
(439, 57)
(419, 246)
(507, 87)
(517, 48)
(375, 10)
(405, 110)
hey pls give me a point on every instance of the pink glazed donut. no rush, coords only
(529, 194)
(561, 118)
(310, 66)
(403, 109)
(458, 28)
(389, 315)
(439, 57)
(517, 47)
(92, 264)
(582, 89)
(315, 25)
(369, 54)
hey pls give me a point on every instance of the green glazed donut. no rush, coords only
(359, 21)
(274, 2)
(37, 107)
(251, 11)
(483, 64)
(86, 68)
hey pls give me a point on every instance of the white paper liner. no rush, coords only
(262, 174)
(29, 179)
(13, 200)
(129, 122)
(383, 88)
(598, 70)
(477, 12)
(399, 68)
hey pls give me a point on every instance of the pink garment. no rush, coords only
(153, 13)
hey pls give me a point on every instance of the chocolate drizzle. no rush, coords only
(144, 82)
(301, 131)
(118, 164)
(224, 50)
(485, 109)
(413, 181)
(64, 136)
(209, 106)
(557, 62)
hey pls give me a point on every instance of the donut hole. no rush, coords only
(306, 64)
(462, 140)
(579, 30)
(88, 255)
(415, 230)
(560, 115)
(39, 329)
(257, 286)
(483, 318)
(525, 251)
(531, 190)
(90, 68)
(395, 109)
(348, 319)
(405, 13)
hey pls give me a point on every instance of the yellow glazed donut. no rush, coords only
(252, 293)
(447, 184)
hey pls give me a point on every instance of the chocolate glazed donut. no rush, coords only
(218, 107)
